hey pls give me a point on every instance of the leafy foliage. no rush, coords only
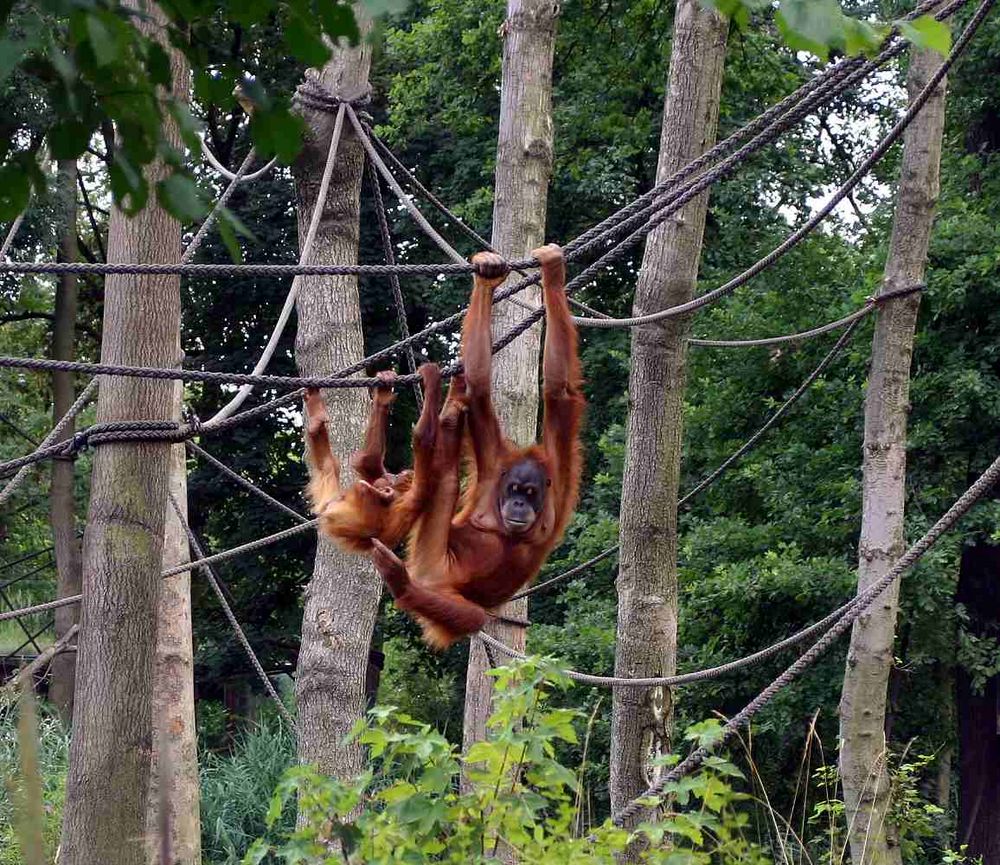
(409, 807)
(105, 62)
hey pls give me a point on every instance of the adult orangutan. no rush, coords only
(519, 500)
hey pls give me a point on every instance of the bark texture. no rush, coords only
(342, 598)
(62, 510)
(175, 796)
(646, 642)
(107, 787)
(873, 839)
(523, 171)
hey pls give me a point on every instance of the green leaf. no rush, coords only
(338, 20)
(229, 227)
(128, 187)
(927, 32)
(729, 8)
(256, 853)
(277, 132)
(15, 188)
(181, 197)
(102, 41)
(811, 25)
(68, 139)
(379, 7)
(158, 64)
(860, 37)
(304, 42)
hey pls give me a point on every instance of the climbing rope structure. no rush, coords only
(603, 245)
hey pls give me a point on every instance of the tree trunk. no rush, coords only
(873, 839)
(342, 598)
(62, 510)
(978, 733)
(174, 788)
(107, 786)
(523, 170)
(646, 642)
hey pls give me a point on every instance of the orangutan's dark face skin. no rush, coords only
(522, 496)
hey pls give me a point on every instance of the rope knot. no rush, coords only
(313, 95)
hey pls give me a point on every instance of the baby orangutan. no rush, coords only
(378, 505)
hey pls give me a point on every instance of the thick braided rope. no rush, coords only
(830, 77)
(167, 269)
(262, 269)
(243, 549)
(239, 177)
(443, 209)
(151, 431)
(248, 485)
(397, 190)
(40, 608)
(230, 615)
(286, 309)
(78, 405)
(694, 676)
(786, 338)
(803, 231)
(765, 128)
(712, 477)
(860, 604)
(397, 291)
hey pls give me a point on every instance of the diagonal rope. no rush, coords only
(858, 606)
(245, 483)
(713, 476)
(286, 310)
(8, 241)
(177, 569)
(228, 610)
(206, 226)
(397, 291)
(81, 401)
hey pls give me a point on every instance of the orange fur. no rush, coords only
(461, 564)
(379, 505)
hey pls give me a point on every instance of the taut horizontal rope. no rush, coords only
(166, 373)
(167, 269)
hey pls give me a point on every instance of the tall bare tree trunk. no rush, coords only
(873, 838)
(341, 600)
(523, 171)
(646, 643)
(107, 788)
(62, 510)
(175, 795)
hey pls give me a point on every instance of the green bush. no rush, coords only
(409, 807)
